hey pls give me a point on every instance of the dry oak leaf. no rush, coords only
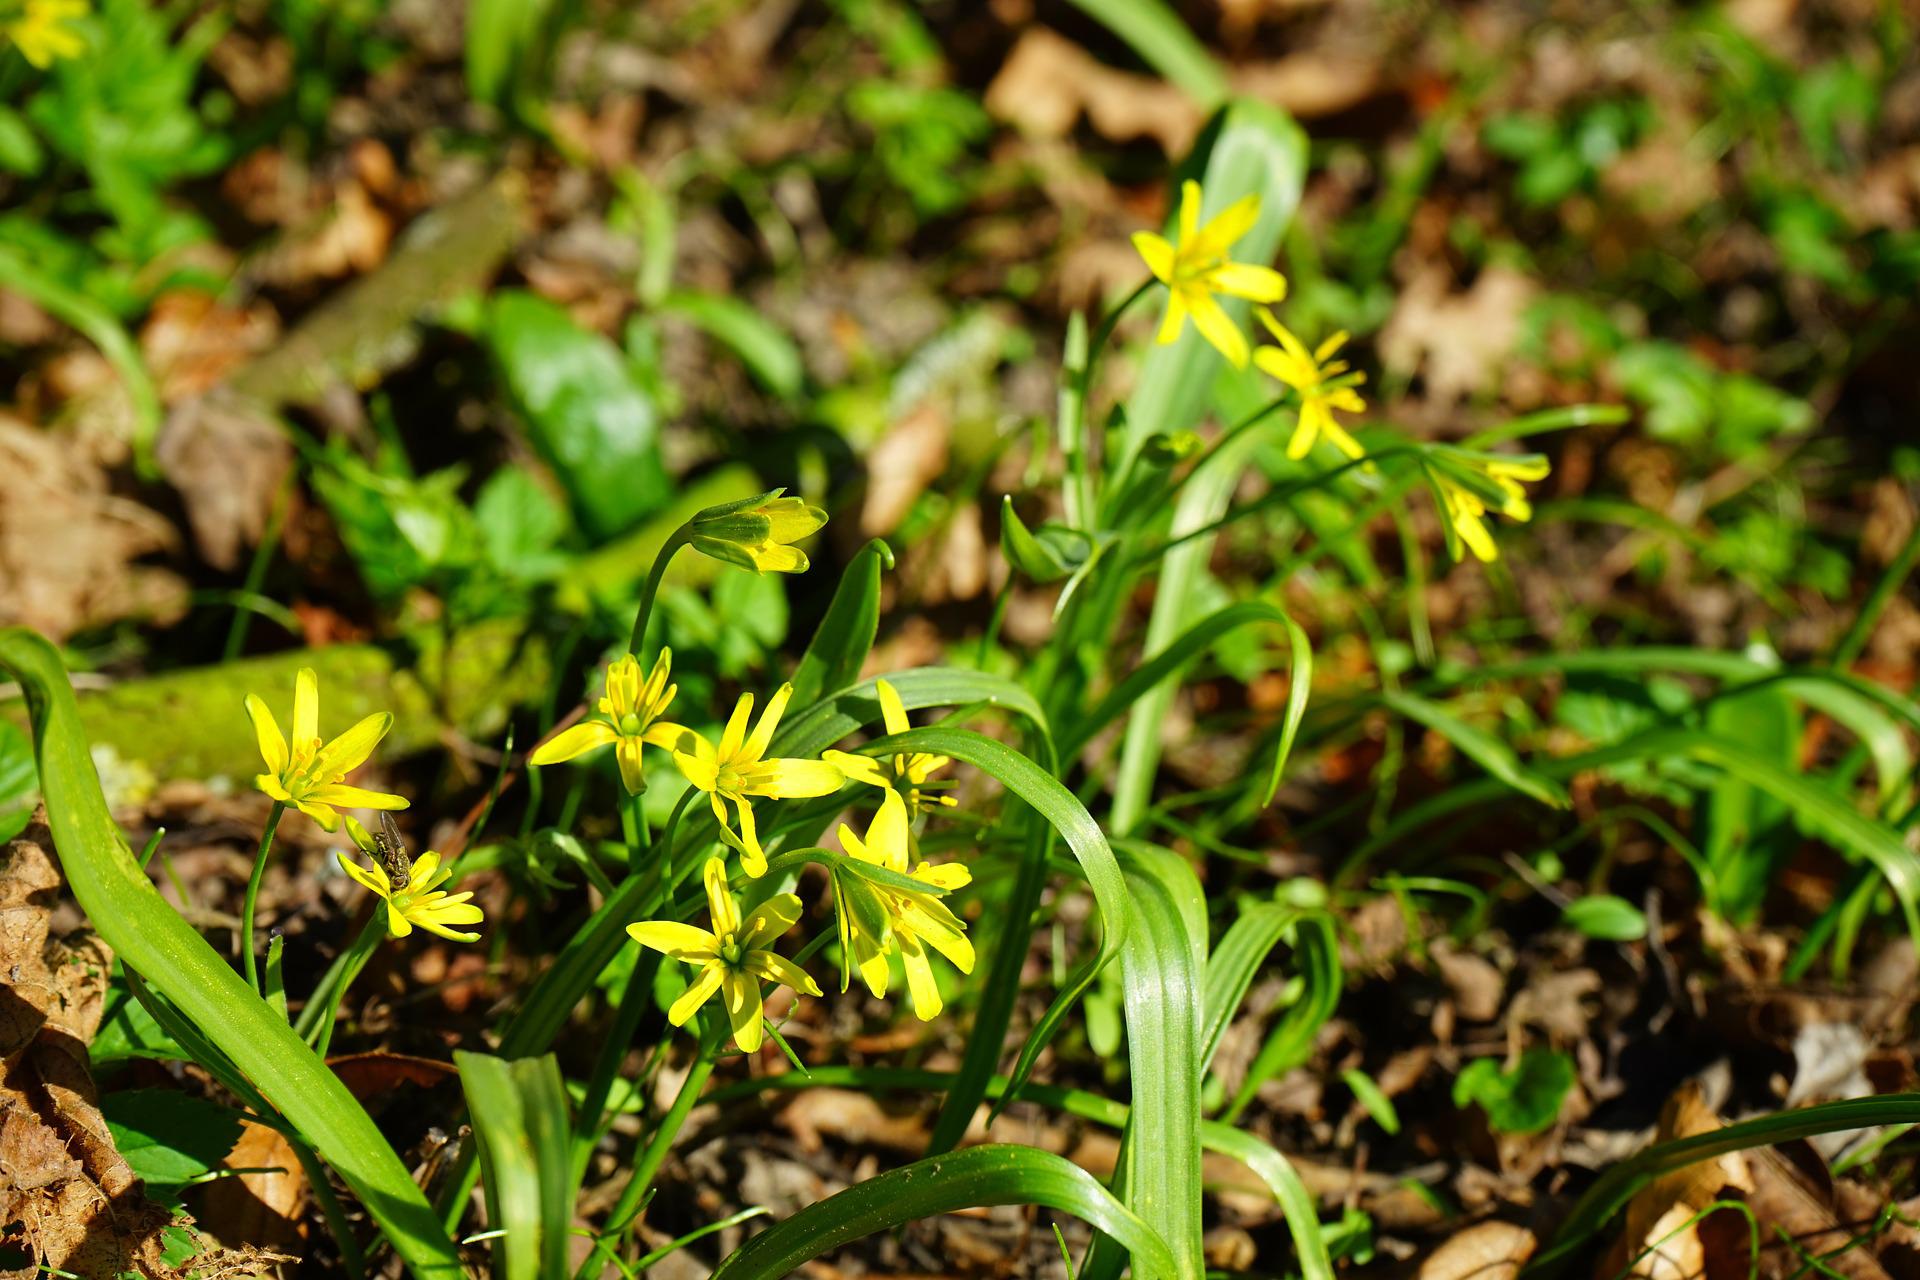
(1458, 340)
(67, 1200)
(1048, 81)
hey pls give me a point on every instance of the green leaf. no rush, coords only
(845, 635)
(1155, 32)
(1485, 750)
(1255, 149)
(1373, 1098)
(585, 411)
(1162, 960)
(167, 1137)
(19, 781)
(520, 1116)
(150, 938)
(509, 49)
(1524, 1100)
(769, 354)
(1747, 837)
(1607, 918)
(1316, 949)
(1144, 678)
(980, 1176)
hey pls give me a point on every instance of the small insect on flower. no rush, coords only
(907, 773)
(43, 31)
(307, 772)
(1318, 379)
(738, 769)
(1195, 268)
(736, 955)
(757, 533)
(1467, 484)
(629, 718)
(410, 888)
(912, 918)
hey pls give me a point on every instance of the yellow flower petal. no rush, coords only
(1156, 253)
(350, 750)
(355, 797)
(744, 1011)
(769, 920)
(570, 743)
(735, 734)
(721, 907)
(775, 968)
(1174, 320)
(697, 994)
(893, 712)
(273, 747)
(1218, 328)
(924, 991)
(858, 768)
(756, 745)
(628, 752)
(373, 880)
(1242, 280)
(795, 779)
(306, 708)
(681, 941)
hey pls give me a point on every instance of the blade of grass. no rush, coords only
(519, 1112)
(153, 940)
(1479, 746)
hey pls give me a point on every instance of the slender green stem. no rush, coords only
(253, 893)
(1884, 590)
(348, 969)
(1074, 414)
(647, 593)
(635, 1192)
(635, 1002)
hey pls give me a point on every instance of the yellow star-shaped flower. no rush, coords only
(914, 921)
(307, 772)
(1309, 373)
(738, 769)
(629, 719)
(1195, 268)
(906, 773)
(734, 957)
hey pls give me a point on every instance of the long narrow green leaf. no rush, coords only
(154, 941)
(519, 1112)
(1040, 790)
(1257, 149)
(1289, 1042)
(1234, 963)
(1161, 966)
(1289, 1192)
(845, 635)
(1176, 655)
(1155, 32)
(1479, 746)
(988, 1175)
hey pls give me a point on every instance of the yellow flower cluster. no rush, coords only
(886, 905)
(1197, 270)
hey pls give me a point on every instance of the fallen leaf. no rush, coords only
(69, 546)
(1048, 82)
(227, 458)
(1457, 340)
(68, 1201)
(1484, 1251)
(265, 1206)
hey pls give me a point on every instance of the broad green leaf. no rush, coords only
(509, 51)
(845, 635)
(585, 411)
(167, 1137)
(519, 1113)
(1525, 1099)
(979, 1176)
(1162, 964)
(769, 354)
(1747, 838)
(151, 939)
(1606, 917)
(1485, 750)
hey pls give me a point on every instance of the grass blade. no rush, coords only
(1154, 31)
(152, 939)
(841, 642)
(989, 1175)
(1479, 746)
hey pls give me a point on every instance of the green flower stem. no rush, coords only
(253, 893)
(347, 968)
(1073, 411)
(647, 593)
(635, 1002)
(632, 1197)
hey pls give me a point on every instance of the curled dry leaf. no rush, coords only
(1048, 81)
(68, 1201)
(1484, 1251)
